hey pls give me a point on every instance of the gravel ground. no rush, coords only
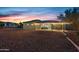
(34, 41)
(73, 36)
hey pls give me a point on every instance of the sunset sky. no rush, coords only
(21, 14)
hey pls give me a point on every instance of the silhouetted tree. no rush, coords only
(68, 13)
(61, 17)
(1, 24)
(72, 16)
(20, 25)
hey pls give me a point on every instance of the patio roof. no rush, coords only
(48, 21)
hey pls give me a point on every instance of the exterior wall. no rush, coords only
(37, 26)
(45, 26)
(68, 27)
(10, 25)
(58, 26)
(28, 26)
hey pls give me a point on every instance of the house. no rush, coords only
(30, 25)
(9, 24)
(46, 25)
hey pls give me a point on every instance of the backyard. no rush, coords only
(34, 41)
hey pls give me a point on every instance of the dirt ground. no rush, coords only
(73, 36)
(34, 41)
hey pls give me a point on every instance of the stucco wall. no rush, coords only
(28, 27)
(45, 26)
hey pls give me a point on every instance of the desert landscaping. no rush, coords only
(34, 41)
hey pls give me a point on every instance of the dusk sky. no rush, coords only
(21, 14)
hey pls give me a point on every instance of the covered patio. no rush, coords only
(58, 26)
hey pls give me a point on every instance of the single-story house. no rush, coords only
(8, 24)
(46, 25)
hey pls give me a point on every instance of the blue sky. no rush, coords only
(37, 12)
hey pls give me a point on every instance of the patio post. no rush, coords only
(62, 27)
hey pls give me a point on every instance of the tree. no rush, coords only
(20, 25)
(75, 17)
(72, 15)
(1, 24)
(68, 13)
(61, 17)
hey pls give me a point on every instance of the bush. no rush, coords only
(1, 24)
